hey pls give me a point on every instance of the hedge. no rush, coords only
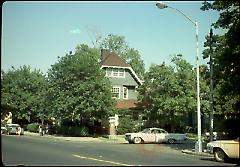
(71, 130)
(33, 127)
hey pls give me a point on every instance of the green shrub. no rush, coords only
(33, 127)
(71, 130)
(78, 131)
(126, 124)
(61, 130)
(84, 131)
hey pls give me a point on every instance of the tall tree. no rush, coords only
(117, 44)
(168, 94)
(225, 53)
(161, 96)
(21, 93)
(78, 88)
(132, 57)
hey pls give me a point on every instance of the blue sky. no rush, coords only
(36, 33)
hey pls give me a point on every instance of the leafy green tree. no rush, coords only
(126, 125)
(132, 57)
(225, 54)
(21, 93)
(78, 88)
(168, 94)
(159, 91)
(117, 44)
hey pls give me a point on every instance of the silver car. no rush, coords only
(14, 129)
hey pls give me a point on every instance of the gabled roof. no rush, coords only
(110, 59)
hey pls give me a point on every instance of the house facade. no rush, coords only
(123, 79)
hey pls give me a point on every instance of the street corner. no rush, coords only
(193, 152)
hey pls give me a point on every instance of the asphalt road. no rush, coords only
(29, 150)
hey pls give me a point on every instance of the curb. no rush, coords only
(79, 139)
(197, 153)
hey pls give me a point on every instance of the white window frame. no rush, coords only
(119, 72)
(125, 88)
(108, 70)
(115, 72)
(116, 87)
(135, 89)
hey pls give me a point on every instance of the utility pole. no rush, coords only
(211, 88)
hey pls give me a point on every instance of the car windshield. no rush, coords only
(237, 139)
(145, 130)
(13, 125)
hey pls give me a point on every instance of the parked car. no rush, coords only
(14, 129)
(154, 135)
(224, 149)
(3, 130)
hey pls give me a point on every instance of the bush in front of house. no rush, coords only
(126, 124)
(71, 130)
(33, 127)
(79, 131)
(60, 130)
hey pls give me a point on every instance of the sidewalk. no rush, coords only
(193, 152)
(111, 139)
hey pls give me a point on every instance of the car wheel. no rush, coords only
(219, 155)
(171, 141)
(137, 140)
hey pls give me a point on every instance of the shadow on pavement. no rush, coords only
(230, 161)
(186, 145)
(208, 159)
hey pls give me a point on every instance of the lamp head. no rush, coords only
(161, 5)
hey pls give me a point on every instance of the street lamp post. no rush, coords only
(198, 146)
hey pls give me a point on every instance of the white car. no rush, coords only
(154, 135)
(3, 130)
(14, 129)
(224, 149)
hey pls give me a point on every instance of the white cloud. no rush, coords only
(75, 31)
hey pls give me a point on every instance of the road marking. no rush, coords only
(100, 160)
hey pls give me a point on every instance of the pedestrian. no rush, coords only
(40, 130)
(19, 130)
(47, 128)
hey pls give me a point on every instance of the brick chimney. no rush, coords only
(104, 54)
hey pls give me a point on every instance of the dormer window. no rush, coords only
(115, 72)
(121, 72)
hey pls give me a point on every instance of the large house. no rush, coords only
(123, 79)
